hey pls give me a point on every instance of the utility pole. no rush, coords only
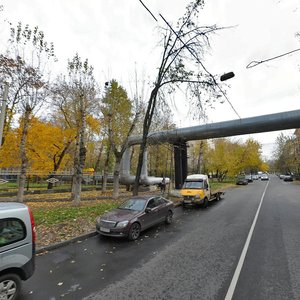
(3, 111)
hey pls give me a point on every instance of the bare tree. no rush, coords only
(181, 63)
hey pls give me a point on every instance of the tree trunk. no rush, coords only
(97, 164)
(79, 162)
(105, 173)
(146, 127)
(99, 158)
(139, 167)
(24, 160)
(58, 163)
(116, 178)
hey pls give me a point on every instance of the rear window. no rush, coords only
(11, 231)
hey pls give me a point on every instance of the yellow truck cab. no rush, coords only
(196, 191)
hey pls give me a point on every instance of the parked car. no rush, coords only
(135, 215)
(255, 177)
(241, 180)
(264, 176)
(281, 176)
(17, 247)
(248, 177)
(288, 178)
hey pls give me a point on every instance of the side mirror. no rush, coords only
(148, 209)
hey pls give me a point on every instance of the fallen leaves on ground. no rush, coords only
(57, 220)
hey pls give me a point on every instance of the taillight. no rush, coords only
(32, 225)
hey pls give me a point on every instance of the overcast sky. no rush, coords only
(119, 36)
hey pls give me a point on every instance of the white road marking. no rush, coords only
(238, 269)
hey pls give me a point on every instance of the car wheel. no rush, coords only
(134, 231)
(10, 285)
(169, 217)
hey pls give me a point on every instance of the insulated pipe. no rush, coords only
(126, 178)
(265, 123)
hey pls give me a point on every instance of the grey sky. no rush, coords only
(119, 35)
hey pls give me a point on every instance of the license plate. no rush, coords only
(187, 201)
(104, 229)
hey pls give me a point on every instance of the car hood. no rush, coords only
(192, 192)
(119, 215)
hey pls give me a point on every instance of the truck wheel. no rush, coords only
(205, 203)
(10, 285)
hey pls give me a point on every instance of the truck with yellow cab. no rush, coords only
(196, 190)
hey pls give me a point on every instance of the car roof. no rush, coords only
(196, 177)
(11, 205)
(144, 197)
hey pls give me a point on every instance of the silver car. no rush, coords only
(17, 247)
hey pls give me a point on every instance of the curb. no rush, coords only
(65, 243)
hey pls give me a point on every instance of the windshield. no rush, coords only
(193, 185)
(133, 204)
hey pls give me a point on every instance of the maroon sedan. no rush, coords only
(135, 215)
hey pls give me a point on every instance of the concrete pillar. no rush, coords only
(180, 161)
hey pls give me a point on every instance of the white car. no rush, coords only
(264, 176)
(17, 247)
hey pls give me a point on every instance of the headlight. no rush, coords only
(122, 224)
(197, 197)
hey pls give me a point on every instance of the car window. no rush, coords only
(205, 184)
(11, 230)
(159, 201)
(133, 204)
(151, 204)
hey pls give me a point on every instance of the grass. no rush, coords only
(57, 214)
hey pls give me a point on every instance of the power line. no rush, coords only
(255, 63)
(148, 10)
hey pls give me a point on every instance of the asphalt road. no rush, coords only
(245, 246)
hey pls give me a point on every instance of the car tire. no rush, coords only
(205, 203)
(169, 217)
(134, 231)
(10, 286)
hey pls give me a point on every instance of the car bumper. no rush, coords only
(28, 268)
(114, 232)
(192, 201)
(241, 182)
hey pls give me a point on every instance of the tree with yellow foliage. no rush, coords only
(23, 67)
(75, 97)
(46, 147)
(119, 119)
(225, 157)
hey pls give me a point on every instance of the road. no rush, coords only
(245, 246)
